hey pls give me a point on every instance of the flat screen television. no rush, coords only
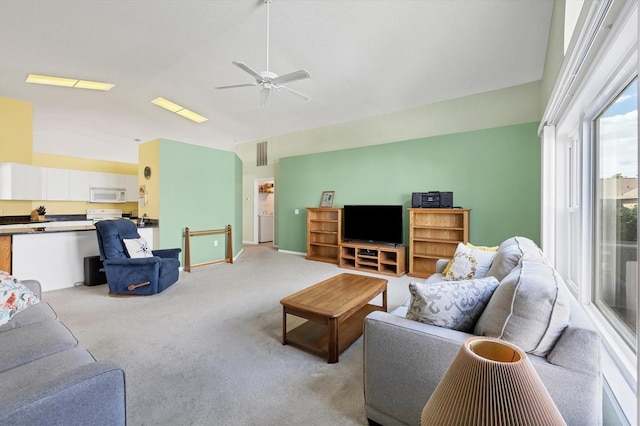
(379, 224)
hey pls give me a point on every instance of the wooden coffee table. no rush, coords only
(335, 309)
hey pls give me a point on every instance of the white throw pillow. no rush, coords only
(451, 304)
(469, 263)
(137, 248)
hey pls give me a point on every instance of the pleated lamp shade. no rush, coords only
(490, 382)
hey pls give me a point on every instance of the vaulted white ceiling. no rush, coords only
(366, 58)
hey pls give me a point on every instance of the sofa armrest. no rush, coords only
(404, 361)
(34, 286)
(441, 264)
(93, 394)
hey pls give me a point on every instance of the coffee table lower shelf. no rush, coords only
(314, 337)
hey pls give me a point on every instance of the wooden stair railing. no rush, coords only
(187, 246)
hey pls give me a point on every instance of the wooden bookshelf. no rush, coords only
(435, 234)
(324, 234)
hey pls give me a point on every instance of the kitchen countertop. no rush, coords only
(42, 228)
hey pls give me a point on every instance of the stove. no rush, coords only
(103, 214)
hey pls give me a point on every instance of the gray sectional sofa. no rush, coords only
(405, 359)
(46, 378)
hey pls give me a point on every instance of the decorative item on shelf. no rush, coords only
(38, 215)
(268, 187)
(327, 199)
(490, 382)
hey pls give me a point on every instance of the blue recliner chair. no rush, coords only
(134, 276)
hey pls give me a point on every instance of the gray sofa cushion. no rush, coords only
(33, 314)
(25, 344)
(530, 308)
(44, 368)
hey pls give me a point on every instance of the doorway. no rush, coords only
(264, 194)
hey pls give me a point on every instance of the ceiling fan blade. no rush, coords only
(292, 76)
(295, 92)
(249, 70)
(264, 95)
(237, 85)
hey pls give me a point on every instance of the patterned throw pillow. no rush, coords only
(455, 305)
(468, 263)
(137, 248)
(14, 297)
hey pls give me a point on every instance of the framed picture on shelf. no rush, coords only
(327, 199)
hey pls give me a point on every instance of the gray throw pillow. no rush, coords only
(450, 304)
(530, 308)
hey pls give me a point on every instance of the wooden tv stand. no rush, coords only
(376, 258)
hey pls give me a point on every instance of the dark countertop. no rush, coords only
(41, 227)
(18, 220)
(42, 230)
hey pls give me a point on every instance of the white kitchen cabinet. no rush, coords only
(98, 180)
(107, 180)
(132, 187)
(78, 185)
(21, 182)
(57, 184)
(116, 181)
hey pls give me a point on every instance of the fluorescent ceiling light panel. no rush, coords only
(180, 110)
(166, 104)
(51, 81)
(191, 115)
(68, 82)
(93, 85)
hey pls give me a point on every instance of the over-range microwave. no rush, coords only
(107, 195)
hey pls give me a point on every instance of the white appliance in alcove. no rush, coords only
(264, 210)
(265, 228)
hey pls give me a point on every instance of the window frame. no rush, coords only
(602, 57)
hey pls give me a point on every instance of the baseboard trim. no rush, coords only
(292, 252)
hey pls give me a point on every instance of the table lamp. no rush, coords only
(490, 382)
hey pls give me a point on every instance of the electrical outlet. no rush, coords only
(215, 243)
(296, 211)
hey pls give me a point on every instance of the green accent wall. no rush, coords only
(495, 172)
(200, 188)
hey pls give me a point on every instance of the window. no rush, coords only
(616, 213)
(590, 138)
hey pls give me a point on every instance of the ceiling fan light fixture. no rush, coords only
(268, 80)
(178, 109)
(68, 82)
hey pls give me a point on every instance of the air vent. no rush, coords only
(261, 151)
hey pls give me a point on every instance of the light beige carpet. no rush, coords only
(208, 350)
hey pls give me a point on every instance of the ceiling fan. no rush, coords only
(267, 80)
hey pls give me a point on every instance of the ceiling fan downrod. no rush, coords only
(268, 2)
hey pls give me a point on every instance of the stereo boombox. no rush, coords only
(430, 200)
